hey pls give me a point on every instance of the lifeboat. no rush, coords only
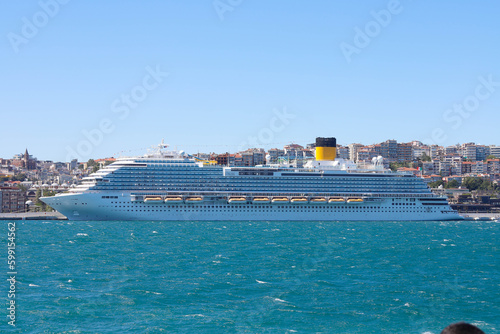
(193, 200)
(336, 201)
(153, 199)
(355, 200)
(237, 200)
(299, 200)
(261, 200)
(280, 200)
(173, 199)
(318, 200)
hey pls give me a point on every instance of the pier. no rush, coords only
(32, 216)
(481, 216)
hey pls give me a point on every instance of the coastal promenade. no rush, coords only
(481, 216)
(32, 216)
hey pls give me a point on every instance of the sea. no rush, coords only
(251, 276)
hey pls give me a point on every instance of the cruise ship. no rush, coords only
(172, 185)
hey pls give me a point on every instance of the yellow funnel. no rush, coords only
(326, 149)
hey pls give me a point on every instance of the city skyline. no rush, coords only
(93, 81)
(306, 146)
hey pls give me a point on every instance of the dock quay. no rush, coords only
(32, 216)
(481, 216)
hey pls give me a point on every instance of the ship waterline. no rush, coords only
(174, 186)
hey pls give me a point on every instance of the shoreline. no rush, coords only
(481, 216)
(33, 216)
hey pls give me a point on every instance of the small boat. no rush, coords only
(318, 200)
(299, 200)
(261, 200)
(173, 199)
(355, 200)
(193, 200)
(237, 200)
(280, 200)
(336, 201)
(153, 199)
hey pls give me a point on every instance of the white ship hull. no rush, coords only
(92, 206)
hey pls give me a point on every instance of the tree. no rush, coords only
(436, 184)
(472, 183)
(19, 177)
(425, 157)
(491, 156)
(395, 165)
(23, 188)
(452, 184)
(91, 163)
(477, 183)
(42, 205)
(488, 185)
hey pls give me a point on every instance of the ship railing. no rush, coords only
(225, 195)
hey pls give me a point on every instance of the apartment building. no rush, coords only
(12, 199)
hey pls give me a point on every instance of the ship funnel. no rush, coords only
(326, 149)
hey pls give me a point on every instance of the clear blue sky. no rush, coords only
(233, 66)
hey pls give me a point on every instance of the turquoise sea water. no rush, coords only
(254, 277)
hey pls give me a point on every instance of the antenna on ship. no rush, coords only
(162, 144)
